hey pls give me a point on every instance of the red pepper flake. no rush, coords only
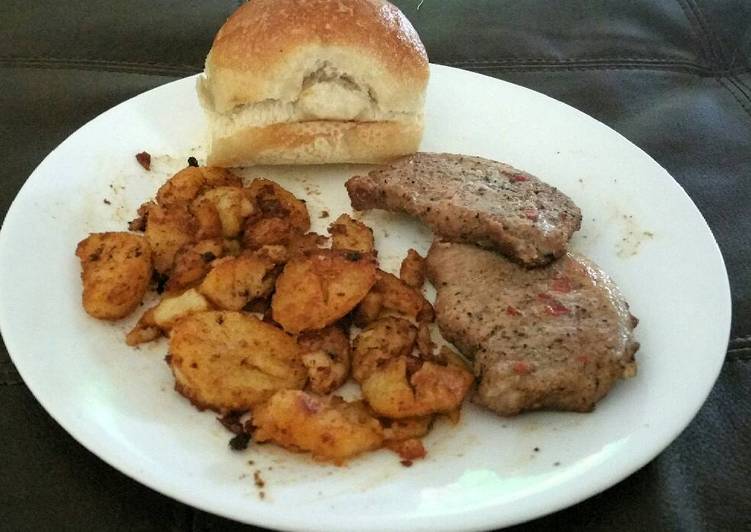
(513, 311)
(531, 214)
(521, 368)
(562, 284)
(518, 178)
(144, 159)
(553, 306)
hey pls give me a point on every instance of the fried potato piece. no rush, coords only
(273, 201)
(392, 392)
(329, 428)
(316, 290)
(222, 211)
(229, 361)
(326, 355)
(187, 184)
(351, 234)
(268, 231)
(412, 270)
(406, 428)
(402, 298)
(424, 342)
(192, 263)
(369, 309)
(168, 230)
(234, 281)
(165, 314)
(387, 338)
(116, 273)
(408, 450)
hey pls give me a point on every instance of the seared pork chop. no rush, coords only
(557, 337)
(476, 200)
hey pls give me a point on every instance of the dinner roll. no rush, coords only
(314, 81)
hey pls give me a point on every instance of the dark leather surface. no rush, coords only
(674, 77)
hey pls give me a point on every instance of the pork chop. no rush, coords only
(557, 337)
(475, 200)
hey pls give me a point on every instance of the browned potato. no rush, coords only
(406, 428)
(268, 231)
(316, 290)
(273, 201)
(393, 392)
(384, 339)
(412, 270)
(329, 428)
(229, 361)
(424, 342)
(303, 244)
(408, 450)
(351, 234)
(326, 355)
(165, 314)
(235, 281)
(192, 263)
(187, 184)
(224, 209)
(403, 299)
(369, 309)
(146, 330)
(116, 273)
(168, 230)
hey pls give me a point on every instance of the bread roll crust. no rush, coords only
(264, 49)
(317, 142)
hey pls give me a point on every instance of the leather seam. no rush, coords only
(511, 63)
(687, 69)
(695, 28)
(723, 83)
(706, 32)
(130, 67)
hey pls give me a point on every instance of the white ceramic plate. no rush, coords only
(639, 225)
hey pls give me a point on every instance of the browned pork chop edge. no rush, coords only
(557, 337)
(475, 200)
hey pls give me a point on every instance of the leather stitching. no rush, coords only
(744, 104)
(695, 28)
(164, 69)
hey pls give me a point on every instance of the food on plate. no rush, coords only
(384, 339)
(321, 81)
(326, 355)
(190, 182)
(167, 231)
(475, 200)
(221, 211)
(412, 270)
(327, 427)
(230, 361)
(316, 289)
(233, 282)
(165, 314)
(192, 263)
(557, 337)
(399, 297)
(408, 387)
(273, 201)
(348, 233)
(116, 273)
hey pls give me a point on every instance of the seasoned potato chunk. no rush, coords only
(268, 232)
(222, 208)
(273, 201)
(116, 273)
(329, 428)
(316, 290)
(235, 281)
(402, 299)
(351, 234)
(171, 309)
(369, 309)
(326, 355)
(412, 270)
(168, 230)
(192, 263)
(187, 184)
(382, 340)
(393, 392)
(229, 361)
(406, 428)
